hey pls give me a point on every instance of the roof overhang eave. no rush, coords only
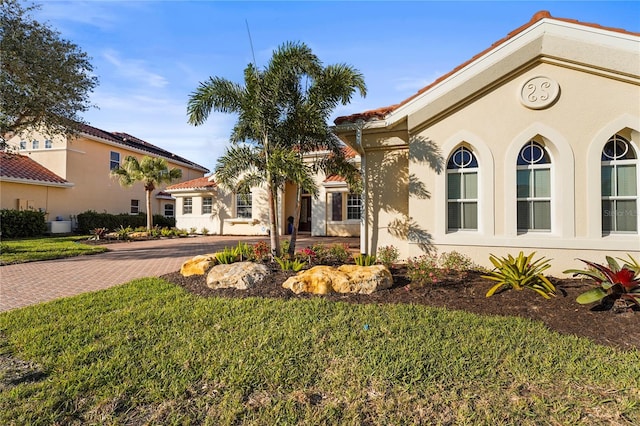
(37, 182)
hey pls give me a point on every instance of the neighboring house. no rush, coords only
(81, 167)
(335, 212)
(539, 140)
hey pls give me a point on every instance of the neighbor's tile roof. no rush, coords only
(334, 178)
(137, 143)
(199, 183)
(18, 166)
(381, 113)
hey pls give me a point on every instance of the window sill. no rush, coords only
(241, 220)
(344, 222)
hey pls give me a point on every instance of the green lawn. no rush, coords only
(148, 352)
(44, 248)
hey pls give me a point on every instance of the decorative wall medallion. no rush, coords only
(539, 92)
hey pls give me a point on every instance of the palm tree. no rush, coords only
(313, 100)
(271, 110)
(151, 171)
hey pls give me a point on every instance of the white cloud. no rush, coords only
(134, 69)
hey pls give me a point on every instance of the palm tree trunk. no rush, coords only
(273, 227)
(149, 213)
(296, 221)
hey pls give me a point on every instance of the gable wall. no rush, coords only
(589, 110)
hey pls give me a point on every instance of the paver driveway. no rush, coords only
(36, 282)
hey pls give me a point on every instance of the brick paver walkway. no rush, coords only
(36, 282)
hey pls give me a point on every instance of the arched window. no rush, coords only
(534, 188)
(462, 190)
(619, 186)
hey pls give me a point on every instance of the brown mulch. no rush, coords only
(561, 313)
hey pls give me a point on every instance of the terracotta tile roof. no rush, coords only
(334, 178)
(164, 195)
(137, 143)
(199, 183)
(16, 166)
(381, 113)
(349, 152)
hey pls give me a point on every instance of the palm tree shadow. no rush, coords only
(388, 179)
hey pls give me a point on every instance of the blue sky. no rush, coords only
(150, 55)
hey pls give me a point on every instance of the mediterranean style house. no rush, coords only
(65, 177)
(531, 145)
(201, 204)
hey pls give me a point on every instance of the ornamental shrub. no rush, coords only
(22, 223)
(91, 219)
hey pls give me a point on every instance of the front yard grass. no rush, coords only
(44, 248)
(148, 352)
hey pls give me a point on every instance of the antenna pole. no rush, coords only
(251, 44)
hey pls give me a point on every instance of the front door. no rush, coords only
(305, 215)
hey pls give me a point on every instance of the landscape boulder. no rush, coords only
(317, 280)
(344, 279)
(197, 265)
(365, 279)
(239, 275)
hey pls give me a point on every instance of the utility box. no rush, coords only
(59, 227)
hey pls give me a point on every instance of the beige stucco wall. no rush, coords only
(48, 198)
(484, 111)
(84, 162)
(497, 125)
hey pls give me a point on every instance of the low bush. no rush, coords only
(424, 269)
(22, 223)
(387, 255)
(89, 220)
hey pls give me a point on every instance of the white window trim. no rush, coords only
(486, 192)
(562, 183)
(635, 198)
(184, 204)
(623, 241)
(529, 199)
(461, 201)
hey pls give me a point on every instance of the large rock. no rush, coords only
(317, 280)
(197, 265)
(240, 275)
(344, 279)
(365, 279)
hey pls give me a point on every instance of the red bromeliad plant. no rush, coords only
(614, 281)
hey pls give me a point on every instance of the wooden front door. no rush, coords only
(305, 215)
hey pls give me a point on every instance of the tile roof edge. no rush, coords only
(382, 112)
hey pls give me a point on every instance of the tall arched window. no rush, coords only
(534, 188)
(619, 186)
(462, 190)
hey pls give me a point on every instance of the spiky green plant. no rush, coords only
(519, 273)
(364, 259)
(287, 264)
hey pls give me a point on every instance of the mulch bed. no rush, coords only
(561, 313)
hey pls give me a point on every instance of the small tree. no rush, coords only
(45, 80)
(150, 171)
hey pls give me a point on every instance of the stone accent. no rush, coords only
(239, 275)
(138, 235)
(344, 279)
(197, 265)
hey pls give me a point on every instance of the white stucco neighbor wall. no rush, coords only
(223, 219)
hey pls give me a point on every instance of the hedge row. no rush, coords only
(90, 220)
(22, 223)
